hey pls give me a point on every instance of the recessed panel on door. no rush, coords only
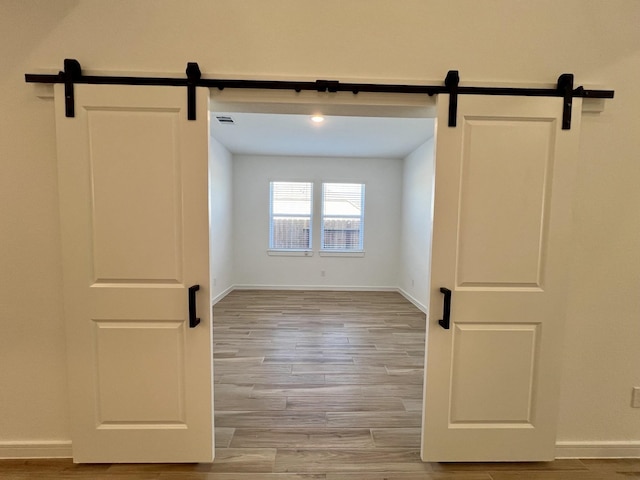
(504, 202)
(493, 377)
(136, 196)
(140, 374)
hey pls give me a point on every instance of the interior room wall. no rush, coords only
(418, 41)
(221, 219)
(417, 221)
(378, 268)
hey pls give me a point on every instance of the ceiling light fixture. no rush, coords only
(317, 119)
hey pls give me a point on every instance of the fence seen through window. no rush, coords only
(342, 216)
(291, 211)
(341, 220)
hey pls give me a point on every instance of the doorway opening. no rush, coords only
(317, 348)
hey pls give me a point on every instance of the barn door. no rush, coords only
(133, 188)
(502, 220)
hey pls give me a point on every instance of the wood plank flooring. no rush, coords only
(319, 386)
(321, 377)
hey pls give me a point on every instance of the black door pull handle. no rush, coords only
(446, 310)
(193, 316)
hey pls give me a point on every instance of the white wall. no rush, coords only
(378, 268)
(417, 222)
(409, 41)
(221, 219)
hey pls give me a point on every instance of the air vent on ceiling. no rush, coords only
(225, 120)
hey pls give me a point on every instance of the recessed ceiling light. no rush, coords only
(317, 119)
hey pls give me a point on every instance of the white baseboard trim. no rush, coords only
(35, 449)
(221, 295)
(412, 299)
(611, 449)
(340, 288)
(62, 449)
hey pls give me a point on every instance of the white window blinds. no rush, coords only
(342, 216)
(290, 215)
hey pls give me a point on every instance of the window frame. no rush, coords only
(278, 251)
(359, 251)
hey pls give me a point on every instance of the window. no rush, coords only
(290, 215)
(342, 217)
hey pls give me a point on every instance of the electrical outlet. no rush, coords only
(322, 273)
(635, 397)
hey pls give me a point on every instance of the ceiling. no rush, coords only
(337, 136)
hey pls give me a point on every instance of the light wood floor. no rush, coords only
(317, 374)
(320, 386)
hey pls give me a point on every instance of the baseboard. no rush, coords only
(412, 299)
(338, 288)
(221, 295)
(35, 449)
(62, 449)
(622, 449)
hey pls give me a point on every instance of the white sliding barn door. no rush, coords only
(502, 220)
(133, 188)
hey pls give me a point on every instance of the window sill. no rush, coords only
(290, 253)
(338, 253)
